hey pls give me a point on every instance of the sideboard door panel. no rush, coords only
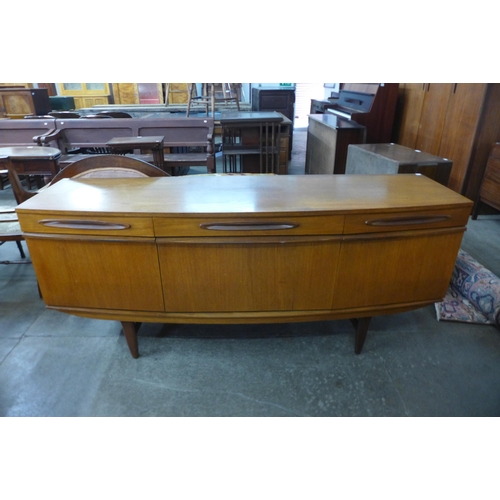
(388, 270)
(93, 273)
(248, 274)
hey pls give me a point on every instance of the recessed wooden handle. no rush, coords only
(248, 226)
(83, 224)
(404, 221)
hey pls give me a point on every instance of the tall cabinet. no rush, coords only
(458, 121)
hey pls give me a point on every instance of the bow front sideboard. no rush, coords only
(243, 248)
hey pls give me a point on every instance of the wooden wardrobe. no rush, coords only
(458, 121)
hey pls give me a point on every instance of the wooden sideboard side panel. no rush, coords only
(248, 274)
(320, 150)
(99, 274)
(326, 149)
(392, 270)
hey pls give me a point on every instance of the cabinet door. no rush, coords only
(433, 116)
(412, 109)
(387, 269)
(100, 273)
(462, 119)
(248, 274)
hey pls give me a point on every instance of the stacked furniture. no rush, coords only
(277, 99)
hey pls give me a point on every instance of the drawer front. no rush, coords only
(401, 221)
(88, 225)
(258, 226)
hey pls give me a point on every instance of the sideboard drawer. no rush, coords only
(401, 221)
(88, 225)
(249, 226)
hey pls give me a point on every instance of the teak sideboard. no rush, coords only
(244, 249)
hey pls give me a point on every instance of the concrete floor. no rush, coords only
(52, 364)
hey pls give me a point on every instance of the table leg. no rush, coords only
(361, 325)
(130, 332)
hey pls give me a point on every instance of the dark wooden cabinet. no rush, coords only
(278, 99)
(18, 102)
(490, 186)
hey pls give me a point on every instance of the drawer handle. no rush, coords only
(248, 226)
(83, 224)
(403, 221)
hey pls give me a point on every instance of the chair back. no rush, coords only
(105, 166)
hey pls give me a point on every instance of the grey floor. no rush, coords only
(52, 364)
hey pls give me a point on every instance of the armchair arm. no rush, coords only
(46, 138)
(210, 135)
(210, 141)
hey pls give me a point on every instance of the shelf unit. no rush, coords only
(251, 142)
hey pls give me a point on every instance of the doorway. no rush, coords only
(304, 92)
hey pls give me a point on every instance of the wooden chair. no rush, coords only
(208, 97)
(109, 166)
(11, 231)
(4, 177)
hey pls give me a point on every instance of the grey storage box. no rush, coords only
(395, 159)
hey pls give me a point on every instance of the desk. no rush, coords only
(32, 160)
(244, 249)
(395, 159)
(154, 143)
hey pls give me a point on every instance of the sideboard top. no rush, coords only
(244, 194)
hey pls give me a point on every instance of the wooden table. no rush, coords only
(244, 249)
(154, 143)
(40, 161)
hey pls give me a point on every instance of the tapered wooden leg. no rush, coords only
(130, 331)
(21, 250)
(361, 325)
